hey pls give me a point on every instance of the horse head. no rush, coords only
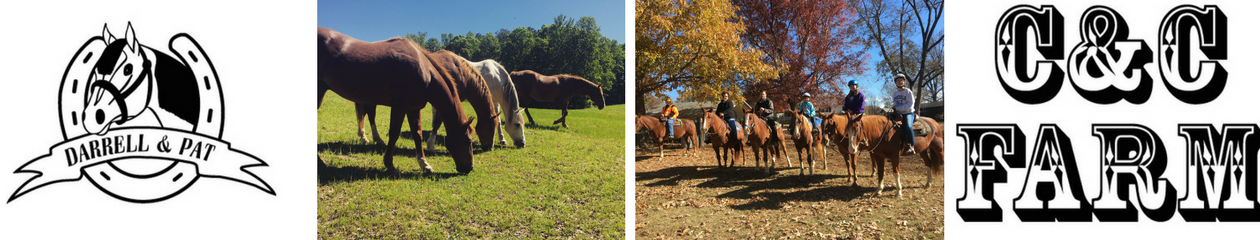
(120, 72)
(799, 121)
(515, 122)
(851, 132)
(461, 147)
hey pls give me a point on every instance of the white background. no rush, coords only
(979, 98)
(266, 76)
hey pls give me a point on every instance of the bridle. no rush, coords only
(121, 96)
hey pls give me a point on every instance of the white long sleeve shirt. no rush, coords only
(903, 101)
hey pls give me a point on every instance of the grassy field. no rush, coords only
(567, 182)
(687, 197)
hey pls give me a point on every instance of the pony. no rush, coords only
(880, 134)
(833, 126)
(556, 88)
(400, 74)
(503, 91)
(804, 138)
(658, 132)
(764, 140)
(722, 138)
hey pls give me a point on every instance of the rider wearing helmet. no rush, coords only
(903, 101)
(855, 102)
(807, 108)
(669, 114)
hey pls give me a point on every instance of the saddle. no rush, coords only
(920, 126)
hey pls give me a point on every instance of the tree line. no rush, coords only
(567, 46)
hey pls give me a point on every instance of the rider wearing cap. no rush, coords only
(807, 108)
(903, 101)
(669, 114)
(764, 109)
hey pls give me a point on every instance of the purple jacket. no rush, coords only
(855, 103)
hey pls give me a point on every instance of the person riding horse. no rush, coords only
(726, 110)
(903, 101)
(807, 108)
(764, 109)
(669, 115)
(855, 101)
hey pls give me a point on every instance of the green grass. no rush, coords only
(565, 182)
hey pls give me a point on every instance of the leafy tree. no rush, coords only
(907, 35)
(814, 43)
(694, 46)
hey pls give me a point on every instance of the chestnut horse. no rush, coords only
(399, 74)
(556, 88)
(804, 138)
(658, 132)
(884, 143)
(468, 85)
(764, 140)
(833, 126)
(721, 138)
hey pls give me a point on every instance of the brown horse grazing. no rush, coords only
(764, 140)
(657, 130)
(399, 74)
(804, 137)
(880, 134)
(722, 139)
(556, 88)
(833, 126)
(470, 87)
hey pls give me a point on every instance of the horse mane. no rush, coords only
(441, 71)
(509, 88)
(574, 78)
(478, 86)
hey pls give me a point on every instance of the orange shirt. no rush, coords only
(670, 112)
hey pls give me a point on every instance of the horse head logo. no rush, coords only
(123, 70)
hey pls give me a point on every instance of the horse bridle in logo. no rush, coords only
(140, 124)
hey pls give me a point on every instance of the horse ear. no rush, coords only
(469, 122)
(132, 43)
(496, 114)
(109, 37)
(519, 111)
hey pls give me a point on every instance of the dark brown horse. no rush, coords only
(804, 137)
(658, 132)
(556, 88)
(722, 139)
(764, 141)
(399, 74)
(833, 126)
(470, 87)
(883, 140)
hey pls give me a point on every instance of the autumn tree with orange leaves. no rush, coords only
(693, 46)
(814, 44)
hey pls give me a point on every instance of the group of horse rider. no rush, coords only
(854, 105)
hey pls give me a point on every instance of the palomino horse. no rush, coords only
(804, 138)
(881, 136)
(764, 140)
(658, 132)
(722, 139)
(469, 86)
(399, 74)
(556, 88)
(833, 126)
(504, 93)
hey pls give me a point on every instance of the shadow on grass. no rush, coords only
(750, 183)
(555, 127)
(333, 175)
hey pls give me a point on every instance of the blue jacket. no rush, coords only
(807, 108)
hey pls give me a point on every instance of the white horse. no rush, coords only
(504, 94)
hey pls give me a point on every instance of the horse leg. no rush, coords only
(414, 120)
(896, 165)
(880, 173)
(395, 127)
(319, 102)
(432, 139)
(564, 113)
(360, 115)
(525, 104)
(499, 129)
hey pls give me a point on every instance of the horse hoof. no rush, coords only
(393, 172)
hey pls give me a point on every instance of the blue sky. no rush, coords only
(380, 20)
